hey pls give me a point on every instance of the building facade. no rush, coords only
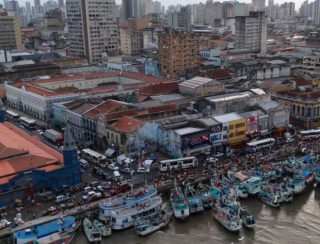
(10, 37)
(178, 51)
(92, 28)
(251, 32)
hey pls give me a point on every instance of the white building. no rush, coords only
(251, 32)
(92, 28)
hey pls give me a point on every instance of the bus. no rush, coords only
(12, 115)
(94, 157)
(309, 134)
(254, 146)
(27, 123)
(179, 163)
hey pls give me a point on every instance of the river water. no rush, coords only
(297, 222)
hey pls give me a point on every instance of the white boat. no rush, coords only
(228, 217)
(91, 232)
(296, 185)
(253, 185)
(179, 204)
(105, 230)
(148, 225)
(194, 199)
(269, 198)
(126, 217)
(248, 220)
(285, 196)
(123, 201)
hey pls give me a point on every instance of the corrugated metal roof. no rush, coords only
(227, 117)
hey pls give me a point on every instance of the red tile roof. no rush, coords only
(219, 74)
(106, 107)
(127, 124)
(159, 89)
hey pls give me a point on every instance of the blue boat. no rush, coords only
(194, 199)
(59, 230)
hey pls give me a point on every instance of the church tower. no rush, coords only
(70, 154)
(2, 112)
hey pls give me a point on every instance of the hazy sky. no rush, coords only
(185, 2)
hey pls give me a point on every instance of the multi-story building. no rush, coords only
(311, 65)
(178, 51)
(10, 37)
(235, 125)
(251, 32)
(36, 98)
(304, 107)
(131, 36)
(258, 4)
(92, 28)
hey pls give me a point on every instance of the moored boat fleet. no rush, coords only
(272, 183)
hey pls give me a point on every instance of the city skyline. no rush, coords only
(167, 3)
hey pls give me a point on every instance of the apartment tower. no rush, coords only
(92, 28)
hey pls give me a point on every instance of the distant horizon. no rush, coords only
(167, 3)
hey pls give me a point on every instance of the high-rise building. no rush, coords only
(28, 8)
(14, 6)
(316, 12)
(178, 51)
(37, 7)
(92, 28)
(258, 4)
(270, 9)
(6, 4)
(127, 9)
(251, 32)
(10, 37)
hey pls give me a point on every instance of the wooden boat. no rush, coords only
(91, 232)
(104, 230)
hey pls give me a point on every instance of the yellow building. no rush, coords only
(10, 35)
(234, 127)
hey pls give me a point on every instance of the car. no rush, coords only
(97, 196)
(87, 195)
(127, 170)
(107, 177)
(87, 189)
(84, 163)
(113, 167)
(218, 155)
(94, 184)
(142, 169)
(62, 198)
(212, 160)
(103, 165)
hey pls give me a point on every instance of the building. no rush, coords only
(251, 32)
(235, 125)
(29, 166)
(258, 5)
(200, 86)
(257, 124)
(178, 51)
(37, 97)
(10, 37)
(304, 107)
(92, 28)
(131, 36)
(231, 102)
(311, 64)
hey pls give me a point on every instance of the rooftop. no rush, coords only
(230, 96)
(227, 117)
(187, 130)
(20, 152)
(196, 82)
(127, 124)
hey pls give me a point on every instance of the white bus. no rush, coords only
(28, 123)
(94, 157)
(254, 146)
(12, 115)
(309, 134)
(179, 163)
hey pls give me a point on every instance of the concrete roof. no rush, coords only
(227, 117)
(187, 130)
(195, 82)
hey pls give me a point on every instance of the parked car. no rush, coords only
(94, 184)
(113, 167)
(62, 198)
(142, 170)
(127, 170)
(107, 177)
(212, 160)
(84, 163)
(87, 195)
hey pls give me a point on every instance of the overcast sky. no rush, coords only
(185, 2)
